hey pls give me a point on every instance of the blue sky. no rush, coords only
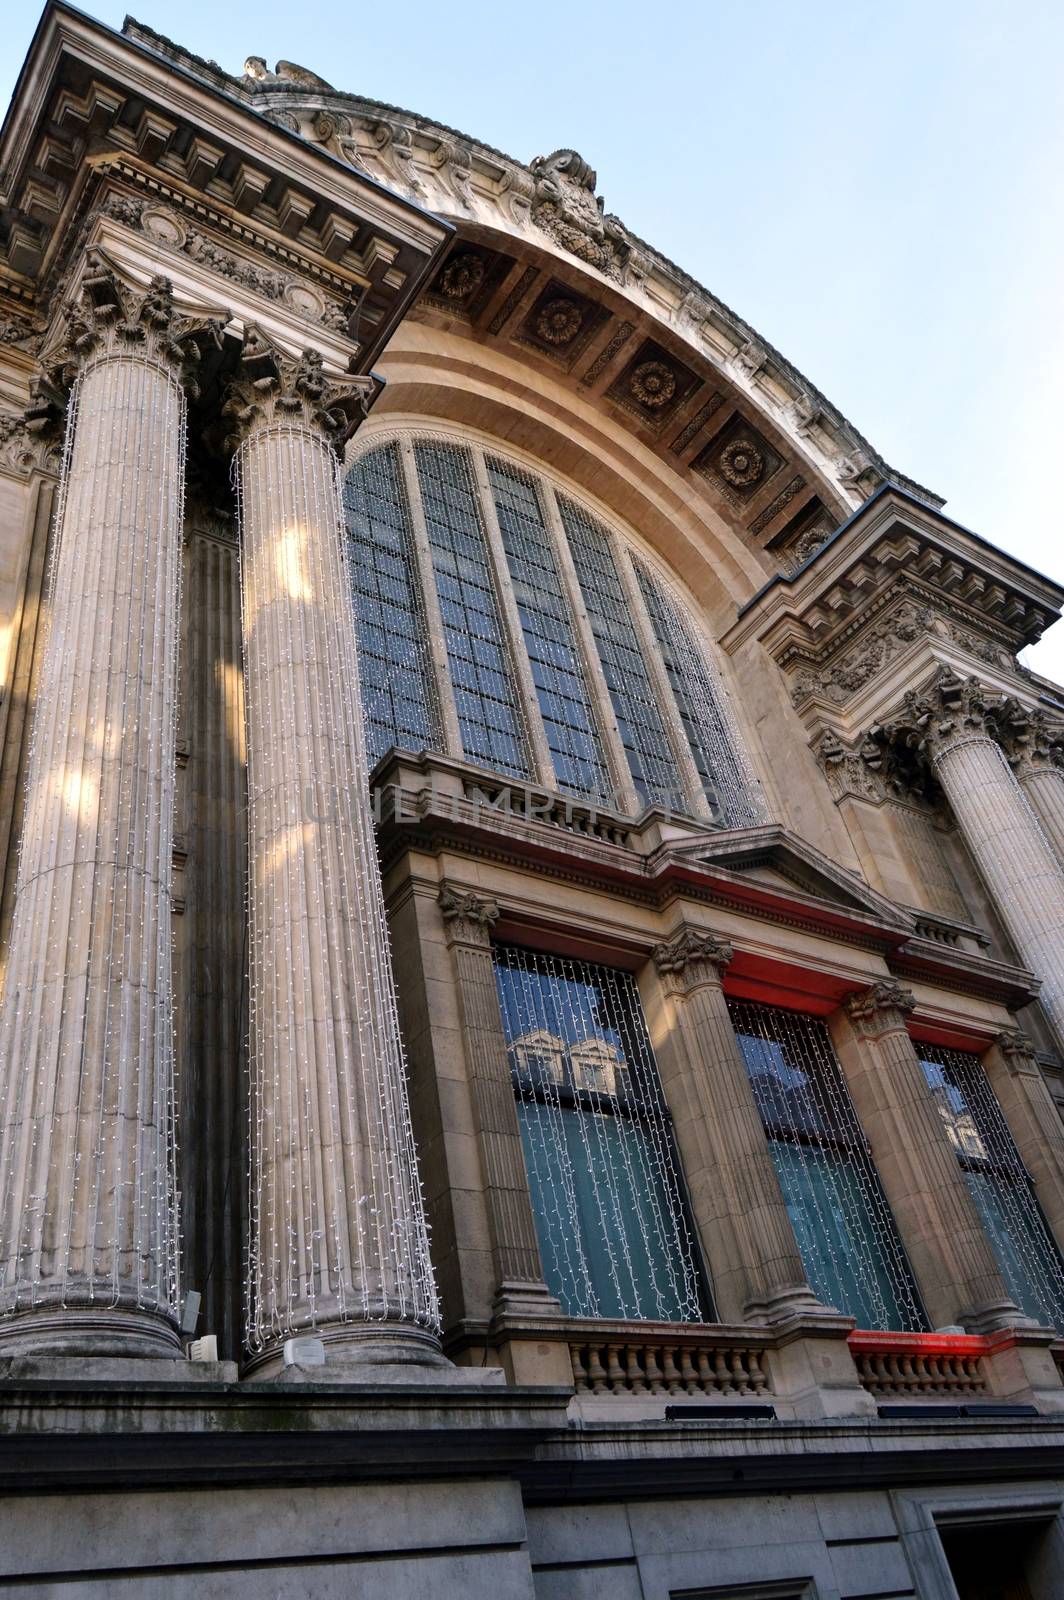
(877, 188)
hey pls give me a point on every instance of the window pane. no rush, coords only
(639, 718)
(998, 1181)
(394, 668)
(726, 780)
(557, 670)
(846, 1234)
(485, 694)
(598, 1145)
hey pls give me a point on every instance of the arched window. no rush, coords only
(503, 623)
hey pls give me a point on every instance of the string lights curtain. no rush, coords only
(397, 690)
(999, 1183)
(846, 1234)
(701, 703)
(606, 1189)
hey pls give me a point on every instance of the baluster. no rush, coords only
(579, 1370)
(654, 1376)
(596, 1370)
(635, 1371)
(614, 1369)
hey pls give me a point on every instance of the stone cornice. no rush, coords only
(426, 808)
(88, 93)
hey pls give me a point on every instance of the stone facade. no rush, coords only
(270, 1216)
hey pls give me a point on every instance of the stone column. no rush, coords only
(88, 1236)
(734, 1192)
(954, 1265)
(1033, 1119)
(338, 1239)
(519, 1284)
(1036, 754)
(948, 723)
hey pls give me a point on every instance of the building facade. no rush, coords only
(532, 912)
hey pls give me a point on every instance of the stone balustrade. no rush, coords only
(892, 1365)
(642, 1359)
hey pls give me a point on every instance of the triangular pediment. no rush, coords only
(780, 860)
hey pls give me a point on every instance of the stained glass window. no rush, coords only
(396, 679)
(639, 717)
(998, 1181)
(481, 672)
(558, 673)
(848, 1240)
(602, 1169)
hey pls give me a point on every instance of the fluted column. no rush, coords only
(519, 1282)
(949, 721)
(1033, 1119)
(338, 1237)
(734, 1191)
(1036, 753)
(88, 1236)
(950, 1254)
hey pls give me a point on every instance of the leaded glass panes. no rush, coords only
(847, 1237)
(553, 653)
(602, 1170)
(396, 679)
(999, 1183)
(726, 781)
(481, 674)
(639, 717)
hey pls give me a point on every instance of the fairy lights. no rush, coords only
(846, 1234)
(337, 1226)
(606, 1189)
(998, 1181)
(87, 1151)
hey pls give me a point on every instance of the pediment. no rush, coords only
(777, 859)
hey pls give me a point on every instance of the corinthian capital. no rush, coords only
(1018, 1050)
(693, 956)
(468, 918)
(112, 316)
(1030, 741)
(880, 1008)
(948, 711)
(275, 388)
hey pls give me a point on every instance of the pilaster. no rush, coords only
(734, 1192)
(922, 1180)
(1033, 1119)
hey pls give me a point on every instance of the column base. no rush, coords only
(799, 1302)
(995, 1318)
(373, 1353)
(89, 1331)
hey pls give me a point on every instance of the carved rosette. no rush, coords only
(694, 956)
(880, 1009)
(468, 918)
(277, 390)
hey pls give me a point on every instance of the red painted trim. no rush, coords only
(869, 1342)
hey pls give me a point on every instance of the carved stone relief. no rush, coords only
(565, 206)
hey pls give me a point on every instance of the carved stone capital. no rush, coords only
(881, 1008)
(274, 388)
(468, 918)
(693, 956)
(1031, 742)
(1018, 1050)
(947, 712)
(114, 317)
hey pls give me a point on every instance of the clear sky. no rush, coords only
(876, 188)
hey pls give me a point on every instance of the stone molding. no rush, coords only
(275, 389)
(693, 956)
(468, 918)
